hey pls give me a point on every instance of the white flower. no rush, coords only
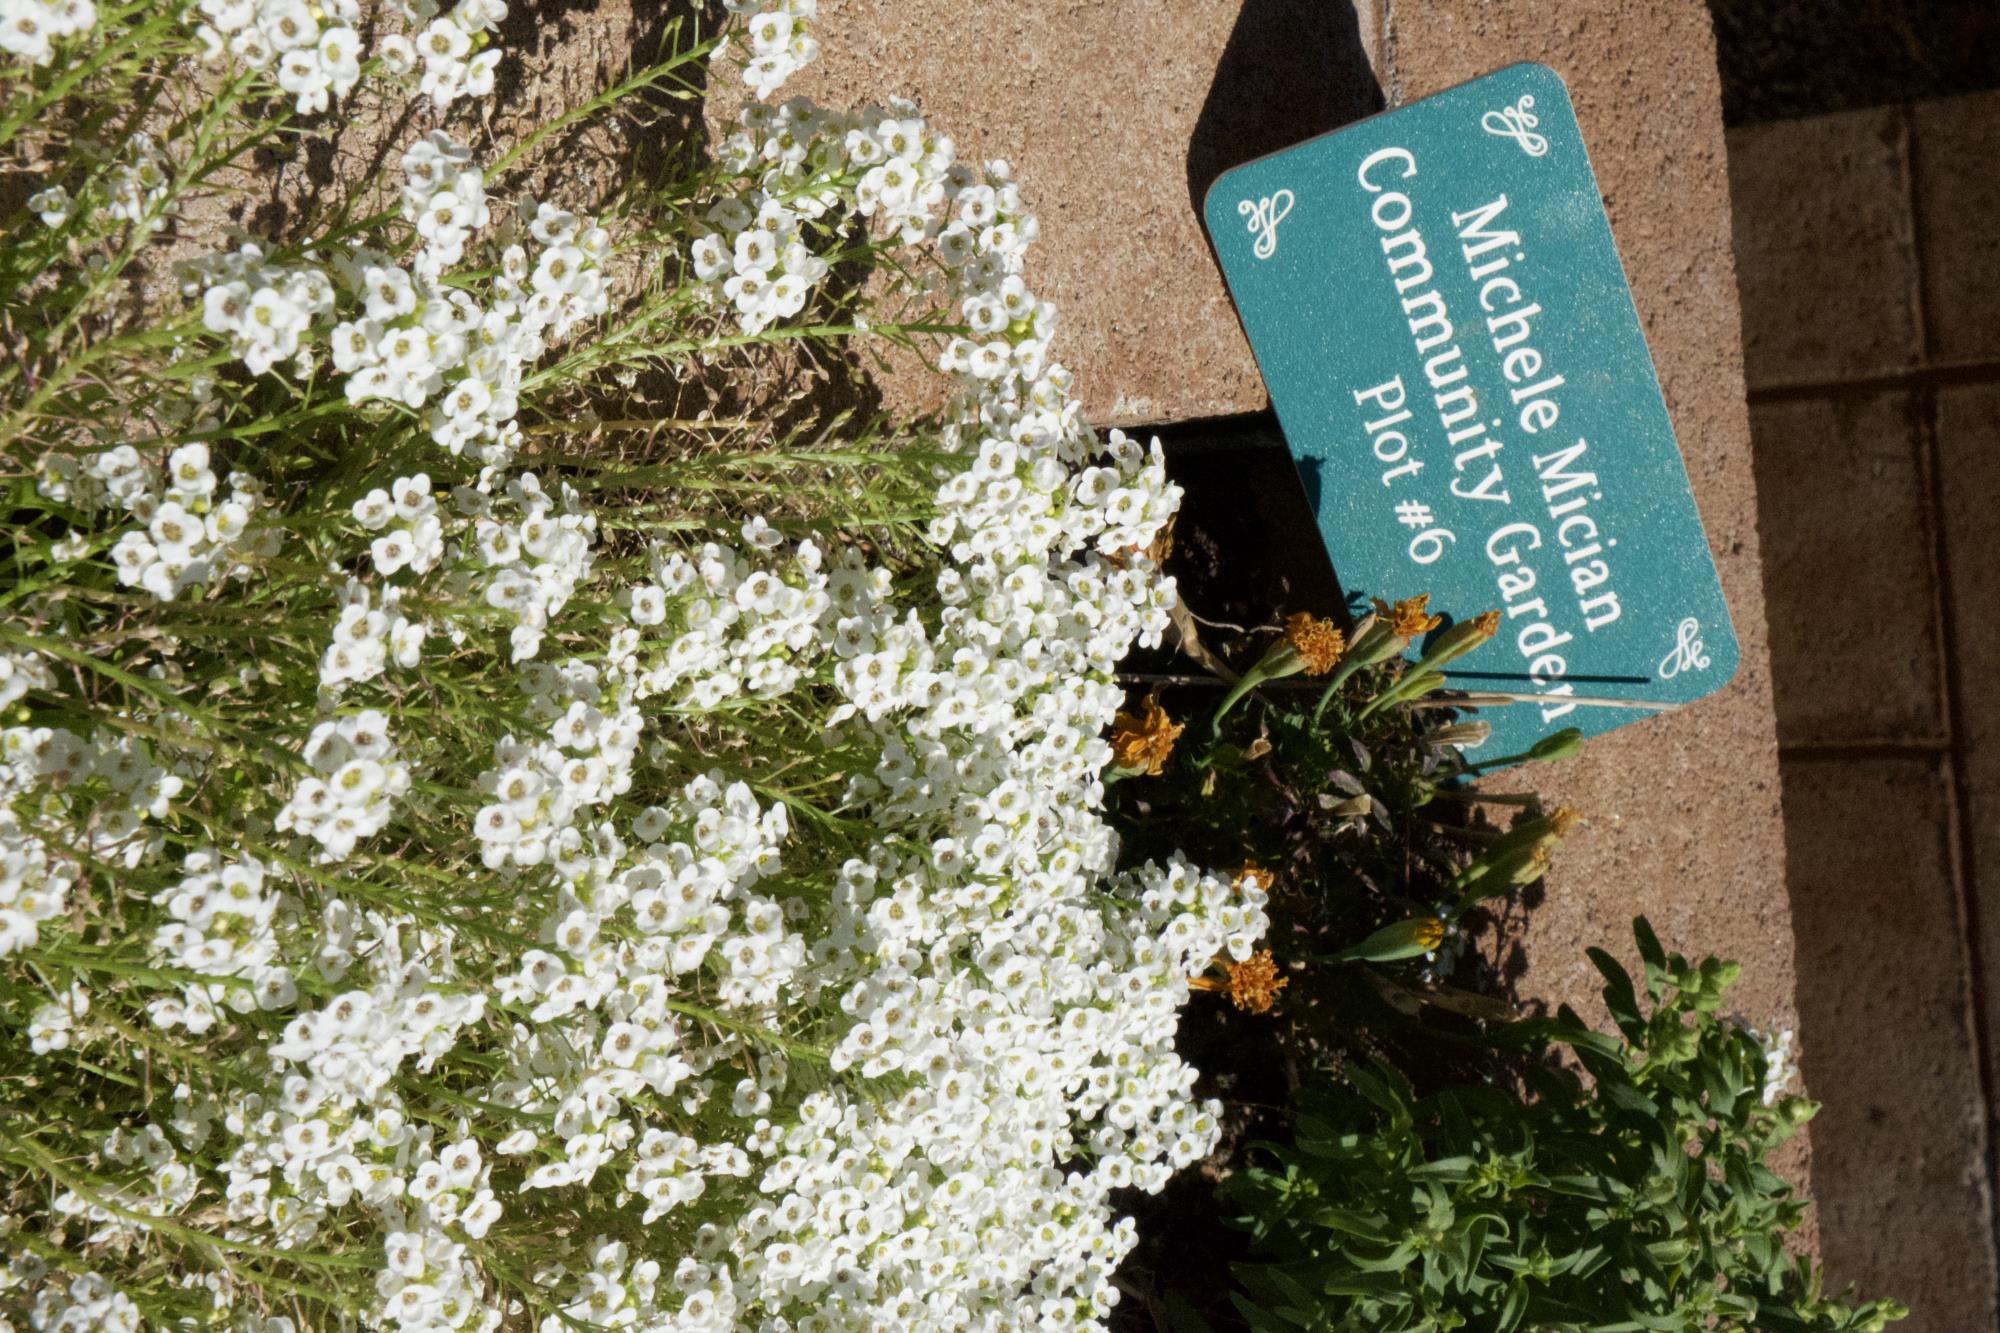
(398, 53)
(52, 205)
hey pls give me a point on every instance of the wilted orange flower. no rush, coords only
(1318, 644)
(1253, 985)
(1488, 622)
(1536, 866)
(1252, 876)
(1562, 819)
(1430, 932)
(1141, 742)
(1407, 619)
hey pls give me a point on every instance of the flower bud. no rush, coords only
(1461, 639)
(1403, 939)
(1467, 734)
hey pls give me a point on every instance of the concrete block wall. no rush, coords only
(1116, 115)
(1869, 256)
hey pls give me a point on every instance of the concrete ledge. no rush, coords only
(1116, 115)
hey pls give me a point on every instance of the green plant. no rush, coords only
(1628, 1190)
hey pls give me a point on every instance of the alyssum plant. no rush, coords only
(477, 848)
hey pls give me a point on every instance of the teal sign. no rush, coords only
(1438, 310)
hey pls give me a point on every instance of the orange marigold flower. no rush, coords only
(1407, 619)
(1141, 742)
(1317, 642)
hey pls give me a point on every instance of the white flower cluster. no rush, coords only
(366, 638)
(336, 1137)
(780, 37)
(315, 48)
(132, 190)
(315, 52)
(417, 341)
(34, 888)
(222, 922)
(444, 198)
(21, 672)
(358, 785)
(751, 626)
(138, 182)
(409, 337)
(193, 535)
(1780, 1062)
(540, 788)
(107, 786)
(534, 550)
(29, 29)
(266, 309)
(759, 260)
(798, 155)
(448, 48)
(1780, 1057)
(412, 534)
(58, 1025)
(869, 1035)
(911, 186)
(86, 1303)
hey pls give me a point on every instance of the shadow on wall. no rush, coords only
(1292, 69)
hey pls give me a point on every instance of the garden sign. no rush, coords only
(1438, 309)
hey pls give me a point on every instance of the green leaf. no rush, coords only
(1394, 1261)
(1668, 1253)
(1619, 997)
(1626, 1097)
(1348, 1221)
(1598, 1189)
(1445, 1168)
(1259, 1319)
